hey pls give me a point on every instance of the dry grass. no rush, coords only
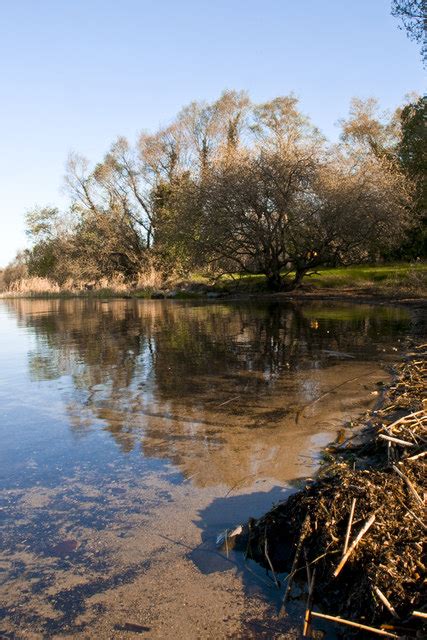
(151, 279)
(34, 285)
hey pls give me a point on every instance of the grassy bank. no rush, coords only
(352, 538)
(391, 280)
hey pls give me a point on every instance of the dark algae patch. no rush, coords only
(353, 537)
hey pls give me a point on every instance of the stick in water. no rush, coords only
(354, 544)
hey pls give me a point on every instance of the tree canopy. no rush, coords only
(234, 186)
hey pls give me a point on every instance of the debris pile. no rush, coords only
(355, 535)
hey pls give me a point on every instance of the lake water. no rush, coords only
(133, 432)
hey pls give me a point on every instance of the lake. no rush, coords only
(133, 432)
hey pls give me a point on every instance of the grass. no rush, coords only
(391, 279)
(366, 275)
(394, 280)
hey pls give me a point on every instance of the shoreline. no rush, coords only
(356, 296)
(370, 488)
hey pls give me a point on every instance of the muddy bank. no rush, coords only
(352, 539)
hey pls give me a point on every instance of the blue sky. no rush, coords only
(74, 74)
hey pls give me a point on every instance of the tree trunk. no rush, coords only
(299, 275)
(274, 281)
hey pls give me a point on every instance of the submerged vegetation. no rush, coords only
(233, 187)
(355, 534)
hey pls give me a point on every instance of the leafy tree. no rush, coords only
(283, 205)
(413, 157)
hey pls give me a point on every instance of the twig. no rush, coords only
(354, 544)
(418, 455)
(326, 393)
(269, 561)
(294, 566)
(410, 485)
(379, 632)
(385, 602)
(404, 443)
(307, 616)
(350, 522)
(307, 566)
(404, 419)
(412, 514)
(419, 614)
(227, 402)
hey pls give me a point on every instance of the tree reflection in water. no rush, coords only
(223, 391)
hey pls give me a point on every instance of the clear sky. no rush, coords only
(74, 74)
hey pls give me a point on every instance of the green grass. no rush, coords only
(366, 275)
(389, 278)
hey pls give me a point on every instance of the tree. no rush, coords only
(235, 186)
(284, 204)
(413, 15)
(399, 139)
(412, 155)
(16, 270)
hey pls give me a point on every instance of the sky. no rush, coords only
(75, 74)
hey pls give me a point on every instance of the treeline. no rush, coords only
(234, 186)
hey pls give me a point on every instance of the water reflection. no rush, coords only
(208, 386)
(133, 431)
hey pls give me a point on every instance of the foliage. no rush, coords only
(232, 185)
(413, 15)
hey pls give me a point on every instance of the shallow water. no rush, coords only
(132, 432)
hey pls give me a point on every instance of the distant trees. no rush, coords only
(233, 186)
